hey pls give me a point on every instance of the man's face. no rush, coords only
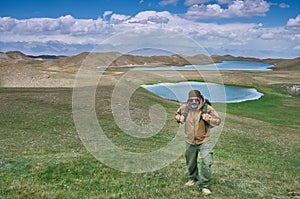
(194, 102)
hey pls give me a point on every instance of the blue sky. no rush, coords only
(279, 13)
(258, 28)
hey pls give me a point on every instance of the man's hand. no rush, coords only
(205, 117)
(180, 118)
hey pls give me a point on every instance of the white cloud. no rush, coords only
(65, 28)
(235, 8)
(294, 22)
(117, 18)
(80, 33)
(151, 17)
(284, 5)
(168, 2)
(7, 24)
(268, 35)
(107, 13)
(204, 11)
(194, 2)
(225, 1)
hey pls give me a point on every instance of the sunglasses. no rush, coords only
(191, 100)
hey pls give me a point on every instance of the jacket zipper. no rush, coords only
(194, 121)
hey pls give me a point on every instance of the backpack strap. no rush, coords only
(204, 108)
(186, 112)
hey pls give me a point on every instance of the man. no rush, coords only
(197, 136)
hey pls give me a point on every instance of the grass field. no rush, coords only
(42, 156)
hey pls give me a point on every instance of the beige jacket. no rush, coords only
(198, 132)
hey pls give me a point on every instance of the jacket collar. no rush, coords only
(202, 101)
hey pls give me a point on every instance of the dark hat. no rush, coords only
(195, 93)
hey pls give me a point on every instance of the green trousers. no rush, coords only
(202, 175)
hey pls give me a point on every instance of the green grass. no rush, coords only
(41, 155)
(275, 106)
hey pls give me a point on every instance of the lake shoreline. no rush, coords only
(211, 91)
(233, 65)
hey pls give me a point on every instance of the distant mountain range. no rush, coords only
(20, 70)
(130, 60)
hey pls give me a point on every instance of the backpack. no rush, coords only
(203, 110)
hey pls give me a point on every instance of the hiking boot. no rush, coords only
(206, 191)
(190, 183)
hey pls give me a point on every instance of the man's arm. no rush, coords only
(211, 117)
(179, 114)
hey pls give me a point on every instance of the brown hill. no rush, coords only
(15, 56)
(18, 69)
(284, 64)
(132, 60)
(279, 64)
(116, 59)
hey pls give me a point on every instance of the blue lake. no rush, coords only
(225, 65)
(213, 92)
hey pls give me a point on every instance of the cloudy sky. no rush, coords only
(256, 28)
